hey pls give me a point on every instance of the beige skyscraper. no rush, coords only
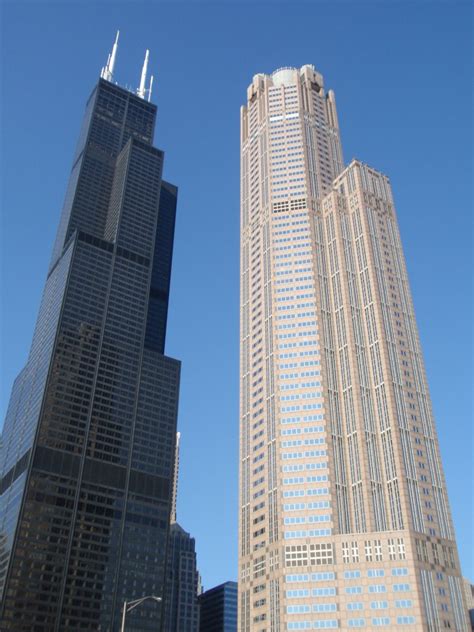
(344, 516)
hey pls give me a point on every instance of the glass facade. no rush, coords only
(87, 449)
(219, 609)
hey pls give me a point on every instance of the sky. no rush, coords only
(401, 74)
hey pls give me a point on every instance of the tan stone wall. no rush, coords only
(340, 470)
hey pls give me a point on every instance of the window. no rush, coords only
(401, 587)
(323, 592)
(321, 577)
(391, 549)
(378, 572)
(368, 551)
(351, 574)
(378, 551)
(355, 552)
(377, 588)
(298, 609)
(325, 607)
(325, 623)
(381, 621)
(345, 552)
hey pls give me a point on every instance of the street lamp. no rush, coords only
(130, 605)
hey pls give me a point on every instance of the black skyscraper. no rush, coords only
(88, 443)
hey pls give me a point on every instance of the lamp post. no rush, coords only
(130, 605)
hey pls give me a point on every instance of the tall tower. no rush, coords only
(183, 581)
(88, 443)
(344, 516)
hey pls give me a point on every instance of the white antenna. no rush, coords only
(107, 73)
(113, 55)
(149, 97)
(141, 89)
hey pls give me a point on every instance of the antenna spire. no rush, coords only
(141, 90)
(150, 88)
(113, 55)
(107, 72)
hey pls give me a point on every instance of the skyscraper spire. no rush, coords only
(141, 90)
(107, 72)
(150, 88)
(113, 56)
(174, 498)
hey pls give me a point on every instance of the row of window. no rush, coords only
(296, 396)
(304, 519)
(304, 419)
(308, 453)
(299, 493)
(377, 572)
(294, 443)
(316, 592)
(315, 625)
(297, 376)
(320, 504)
(331, 591)
(310, 577)
(298, 325)
(296, 480)
(304, 430)
(311, 533)
(296, 408)
(352, 623)
(294, 297)
(319, 607)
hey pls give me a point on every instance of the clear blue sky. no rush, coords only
(401, 74)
